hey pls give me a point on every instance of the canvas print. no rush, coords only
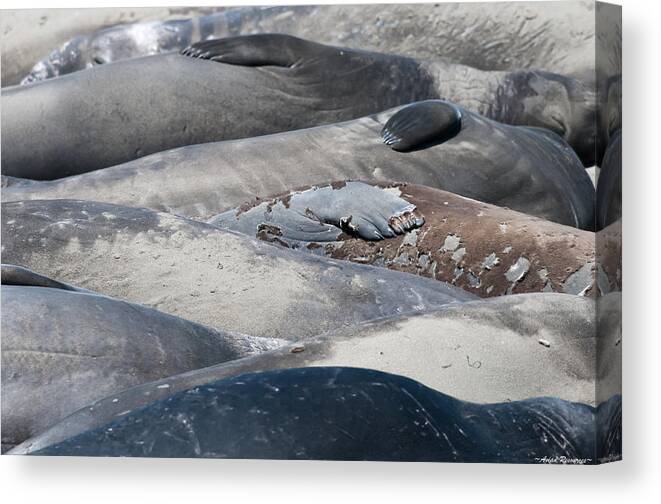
(340, 232)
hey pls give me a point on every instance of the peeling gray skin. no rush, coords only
(451, 243)
(273, 83)
(580, 281)
(324, 213)
(556, 37)
(490, 261)
(335, 413)
(518, 270)
(63, 349)
(501, 333)
(519, 168)
(207, 275)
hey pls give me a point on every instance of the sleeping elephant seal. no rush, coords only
(62, 349)
(484, 249)
(495, 350)
(255, 85)
(204, 274)
(44, 36)
(335, 413)
(557, 37)
(432, 143)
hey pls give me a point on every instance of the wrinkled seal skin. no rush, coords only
(526, 169)
(333, 413)
(272, 83)
(63, 349)
(484, 249)
(204, 274)
(482, 351)
(554, 36)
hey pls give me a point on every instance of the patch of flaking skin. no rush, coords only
(580, 282)
(490, 261)
(451, 243)
(459, 254)
(517, 272)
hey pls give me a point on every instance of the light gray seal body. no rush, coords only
(210, 276)
(526, 169)
(556, 37)
(255, 85)
(62, 349)
(485, 351)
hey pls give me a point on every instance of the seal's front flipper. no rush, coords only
(255, 50)
(322, 214)
(422, 124)
(17, 275)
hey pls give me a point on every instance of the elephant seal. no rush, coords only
(204, 274)
(30, 35)
(62, 349)
(481, 248)
(487, 351)
(554, 37)
(440, 145)
(255, 85)
(335, 413)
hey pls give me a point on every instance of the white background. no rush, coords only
(636, 479)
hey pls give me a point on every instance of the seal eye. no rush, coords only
(98, 60)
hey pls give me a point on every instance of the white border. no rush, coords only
(636, 479)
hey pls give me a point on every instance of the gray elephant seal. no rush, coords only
(63, 349)
(352, 414)
(205, 274)
(431, 143)
(255, 85)
(481, 248)
(554, 37)
(29, 35)
(495, 350)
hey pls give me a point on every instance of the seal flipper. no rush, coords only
(17, 275)
(321, 214)
(422, 124)
(255, 50)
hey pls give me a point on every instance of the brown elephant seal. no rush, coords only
(481, 248)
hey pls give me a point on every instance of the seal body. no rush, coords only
(484, 249)
(484, 351)
(552, 37)
(338, 414)
(255, 85)
(43, 43)
(204, 274)
(63, 349)
(525, 169)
